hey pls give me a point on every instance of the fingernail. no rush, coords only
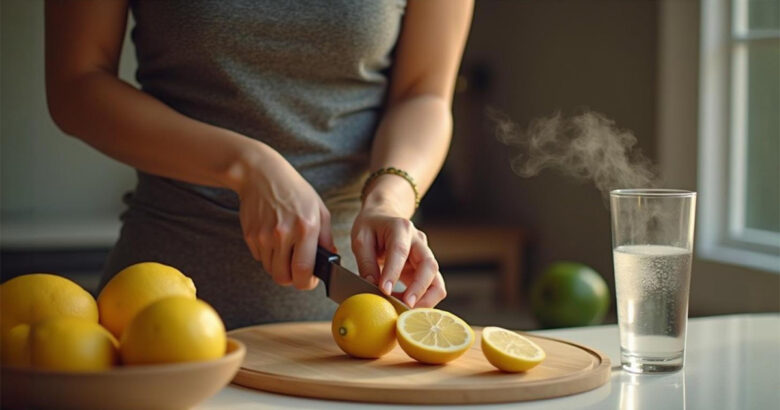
(411, 300)
(371, 279)
(387, 287)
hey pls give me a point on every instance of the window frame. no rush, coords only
(723, 235)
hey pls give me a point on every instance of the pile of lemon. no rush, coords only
(367, 326)
(147, 314)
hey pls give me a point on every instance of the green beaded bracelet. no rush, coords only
(394, 171)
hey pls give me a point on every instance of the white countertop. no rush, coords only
(732, 362)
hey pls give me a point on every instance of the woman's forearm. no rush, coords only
(414, 135)
(139, 130)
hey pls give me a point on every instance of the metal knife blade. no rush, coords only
(340, 283)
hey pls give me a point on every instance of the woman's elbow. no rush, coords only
(60, 104)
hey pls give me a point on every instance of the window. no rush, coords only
(739, 133)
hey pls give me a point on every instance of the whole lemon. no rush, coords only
(174, 329)
(38, 296)
(16, 347)
(137, 286)
(72, 344)
(364, 326)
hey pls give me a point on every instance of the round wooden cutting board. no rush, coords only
(301, 359)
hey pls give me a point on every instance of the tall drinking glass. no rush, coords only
(652, 245)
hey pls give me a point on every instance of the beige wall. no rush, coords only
(47, 176)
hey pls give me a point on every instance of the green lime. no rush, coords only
(569, 294)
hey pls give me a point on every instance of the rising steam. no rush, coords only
(588, 146)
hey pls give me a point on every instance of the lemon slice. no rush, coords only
(433, 336)
(509, 351)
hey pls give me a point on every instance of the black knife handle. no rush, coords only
(322, 264)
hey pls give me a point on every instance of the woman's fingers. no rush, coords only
(435, 293)
(325, 235)
(283, 219)
(282, 254)
(261, 251)
(364, 249)
(426, 269)
(251, 233)
(266, 251)
(304, 253)
(251, 242)
(397, 247)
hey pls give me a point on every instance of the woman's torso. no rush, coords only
(306, 77)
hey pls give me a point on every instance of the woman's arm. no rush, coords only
(281, 215)
(87, 100)
(414, 135)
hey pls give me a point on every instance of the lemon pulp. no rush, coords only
(509, 351)
(433, 336)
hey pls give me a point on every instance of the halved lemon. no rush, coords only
(433, 336)
(509, 351)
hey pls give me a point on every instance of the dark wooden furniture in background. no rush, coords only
(458, 245)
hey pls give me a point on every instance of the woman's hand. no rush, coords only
(382, 235)
(413, 135)
(282, 217)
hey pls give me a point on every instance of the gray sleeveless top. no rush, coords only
(307, 77)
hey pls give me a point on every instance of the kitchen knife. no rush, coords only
(340, 283)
